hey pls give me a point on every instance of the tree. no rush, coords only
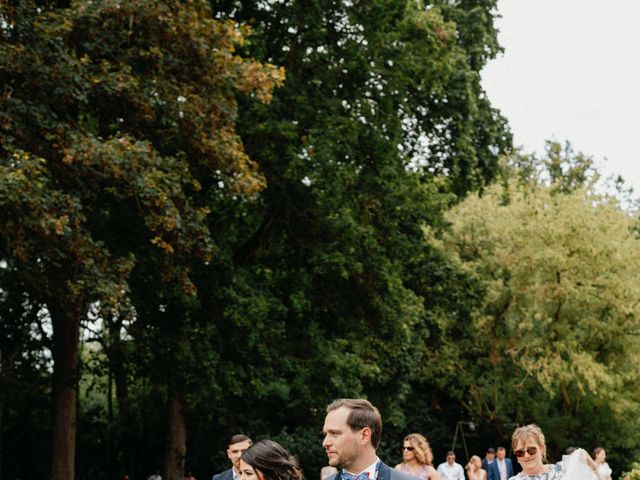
(114, 116)
(557, 335)
(382, 117)
(562, 169)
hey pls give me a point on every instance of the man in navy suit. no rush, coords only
(352, 430)
(501, 468)
(488, 459)
(237, 444)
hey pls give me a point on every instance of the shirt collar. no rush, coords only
(371, 470)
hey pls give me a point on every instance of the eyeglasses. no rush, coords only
(407, 448)
(530, 450)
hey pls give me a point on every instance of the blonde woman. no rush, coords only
(530, 449)
(417, 458)
(475, 470)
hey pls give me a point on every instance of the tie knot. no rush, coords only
(351, 476)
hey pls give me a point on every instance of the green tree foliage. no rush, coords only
(561, 168)
(117, 118)
(380, 124)
(556, 338)
(247, 315)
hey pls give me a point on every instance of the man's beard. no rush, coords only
(345, 460)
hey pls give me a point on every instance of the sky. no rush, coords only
(571, 71)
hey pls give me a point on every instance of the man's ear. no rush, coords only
(365, 435)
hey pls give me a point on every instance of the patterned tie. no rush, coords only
(351, 476)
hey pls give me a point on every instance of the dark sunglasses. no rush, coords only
(530, 450)
(407, 448)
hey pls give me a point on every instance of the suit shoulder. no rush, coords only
(222, 475)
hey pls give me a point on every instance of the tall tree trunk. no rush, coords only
(117, 362)
(66, 334)
(177, 441)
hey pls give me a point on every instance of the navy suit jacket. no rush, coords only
(226, 475)
(494, 471)
(384, 473)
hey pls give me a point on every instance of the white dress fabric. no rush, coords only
(604, 471)
(572, 467)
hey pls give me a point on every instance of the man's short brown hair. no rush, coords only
(237, 438)
(362, 415)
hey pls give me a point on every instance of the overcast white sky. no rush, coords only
(571, 71)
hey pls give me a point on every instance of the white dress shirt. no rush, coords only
(451, 472)
(502, 468)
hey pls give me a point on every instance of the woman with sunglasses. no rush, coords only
(417, 458)
(529, 447)
(267, 460)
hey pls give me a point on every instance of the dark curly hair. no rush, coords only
(272, 460)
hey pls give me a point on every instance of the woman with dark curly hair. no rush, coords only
(268, 460)
(417, 458)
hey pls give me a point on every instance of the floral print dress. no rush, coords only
(554, 472)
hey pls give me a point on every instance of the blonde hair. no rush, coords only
(423, 452)
(472, 461)
(521, 434)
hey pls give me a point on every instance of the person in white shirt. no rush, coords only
(450, 470)
(156, 476)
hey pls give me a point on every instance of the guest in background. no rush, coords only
(603, 471)
(235, 446)
(417, 458)
(501, 468)
(156, 475)
(475, 470)
(488, 459)
(450, 470)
